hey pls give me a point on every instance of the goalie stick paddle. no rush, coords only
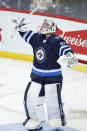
(21, 22)
(31, 13)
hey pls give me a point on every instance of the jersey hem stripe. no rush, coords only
(46, 71)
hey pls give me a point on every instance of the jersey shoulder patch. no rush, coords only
(62, 43)
(57, 37)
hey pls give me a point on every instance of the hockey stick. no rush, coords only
(21, 22)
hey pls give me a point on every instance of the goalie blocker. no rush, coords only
(43, 104)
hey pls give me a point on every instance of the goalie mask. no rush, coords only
(48, 27)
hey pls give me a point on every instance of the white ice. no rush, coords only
(14, 77)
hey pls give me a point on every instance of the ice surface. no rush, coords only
(20, 127)
(14, 76)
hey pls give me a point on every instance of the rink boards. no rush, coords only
(20, 127)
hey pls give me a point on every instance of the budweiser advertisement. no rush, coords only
(0, 34)
(77, 40)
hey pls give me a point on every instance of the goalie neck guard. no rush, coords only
(48, 26)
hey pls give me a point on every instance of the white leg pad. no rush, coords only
(55, 123)
(35, 103)
(32, 124)
(52, 105)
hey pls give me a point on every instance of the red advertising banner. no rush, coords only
(0, 34)
(77, 40)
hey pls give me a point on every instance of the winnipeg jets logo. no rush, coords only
(40, 55)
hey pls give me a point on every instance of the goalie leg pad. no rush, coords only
(32, 124)
(63, 121)
(52, 104)
(25, 102)
(35, 103)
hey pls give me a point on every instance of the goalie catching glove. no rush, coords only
(21, 24)
(68, 61)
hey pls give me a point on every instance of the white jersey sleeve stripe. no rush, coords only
(66, 50)
(25, 35)
(30, 36)
(62, 48)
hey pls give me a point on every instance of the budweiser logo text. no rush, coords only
(0, 34)
(76, 39)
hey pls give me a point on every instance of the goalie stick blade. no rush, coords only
(20, 127)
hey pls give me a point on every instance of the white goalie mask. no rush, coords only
(48, 27)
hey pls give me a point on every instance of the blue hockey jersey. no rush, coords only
(46, 53)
